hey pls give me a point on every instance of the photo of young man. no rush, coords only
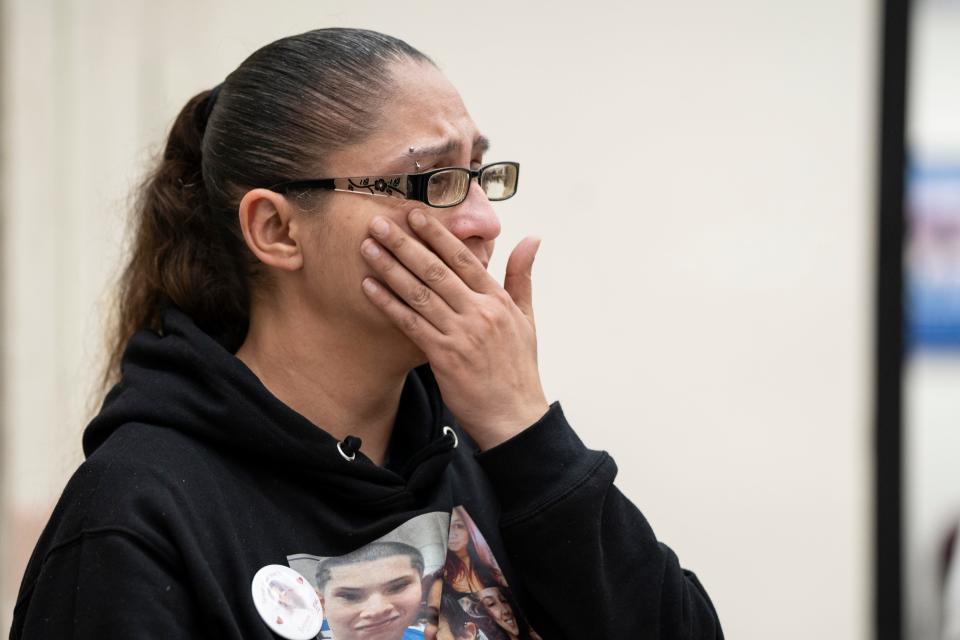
(374, 593)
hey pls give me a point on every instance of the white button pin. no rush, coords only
(287, 602)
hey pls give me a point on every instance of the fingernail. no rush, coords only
(370, 248)
(417, 219)
(380, 226)
(369, 285)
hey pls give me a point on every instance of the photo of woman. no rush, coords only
(472, 577)
(470, 565)
(496, 605)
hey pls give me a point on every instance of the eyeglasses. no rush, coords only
(441, 188)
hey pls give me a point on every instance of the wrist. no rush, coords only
(495, 432)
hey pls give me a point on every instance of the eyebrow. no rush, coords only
(396, 582)
(480, 143)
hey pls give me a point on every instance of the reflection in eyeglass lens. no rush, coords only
(447, 187)
(499, 181)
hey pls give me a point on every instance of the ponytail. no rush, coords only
(273, 119)
(181, 253)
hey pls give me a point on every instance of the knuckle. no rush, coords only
(420, 295)
(436, 272)
(410, 322)
(398, 241)
(491, 316)
(455, 353)
(503, 298)
(464, 257)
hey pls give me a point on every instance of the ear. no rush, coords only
(470, 630)
(270, 229)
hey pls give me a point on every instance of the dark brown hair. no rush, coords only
(273, 119)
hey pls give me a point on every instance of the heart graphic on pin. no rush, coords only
(279, 620)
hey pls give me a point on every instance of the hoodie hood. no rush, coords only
(185, 380)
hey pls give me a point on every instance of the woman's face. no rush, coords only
(457, 541)
(433, 609)
(425, 113)
(499, 609)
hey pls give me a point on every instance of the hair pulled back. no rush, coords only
(273, 119)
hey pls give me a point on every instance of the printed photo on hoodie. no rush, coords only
(432, 577)
(378, 591)
(472, 596)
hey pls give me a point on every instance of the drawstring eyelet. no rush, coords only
(348, 447)
(447, 431)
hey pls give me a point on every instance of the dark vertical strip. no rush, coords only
(889, 346)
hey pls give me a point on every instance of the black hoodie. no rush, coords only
(196, 477)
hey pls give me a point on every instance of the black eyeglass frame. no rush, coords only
(406, 186)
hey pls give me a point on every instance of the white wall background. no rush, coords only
(702, 176)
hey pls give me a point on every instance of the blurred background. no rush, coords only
(704, 178)
(931, 367)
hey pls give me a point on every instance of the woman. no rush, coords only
(310, 353)
(469, 566)
(497, 606)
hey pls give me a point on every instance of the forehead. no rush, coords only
(425, 110)
(370, 574)
(490, 592)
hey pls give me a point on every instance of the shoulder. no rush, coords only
(143, 458)
(136, 482)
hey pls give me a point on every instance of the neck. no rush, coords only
(345, 384)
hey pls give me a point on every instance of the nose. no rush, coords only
(377, 608)
(474, 217)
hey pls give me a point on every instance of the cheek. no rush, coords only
(340, 613)
(410, 599)
(334, 265)
(407, 605)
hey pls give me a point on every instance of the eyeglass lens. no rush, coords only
(499, 181)
(447, 188)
